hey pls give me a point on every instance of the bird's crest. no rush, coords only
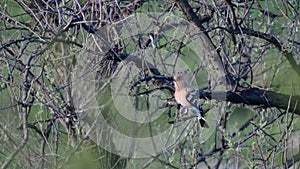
(179, 75)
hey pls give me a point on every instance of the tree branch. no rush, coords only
(259, 97)
(251, 96)
(210, 50)
(273, 40)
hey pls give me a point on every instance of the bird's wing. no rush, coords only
(193, 99)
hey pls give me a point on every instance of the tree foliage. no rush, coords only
(60, 60)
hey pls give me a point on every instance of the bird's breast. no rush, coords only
(180, 97)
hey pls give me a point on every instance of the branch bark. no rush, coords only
(258, 97)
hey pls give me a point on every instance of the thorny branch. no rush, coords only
(52, 22)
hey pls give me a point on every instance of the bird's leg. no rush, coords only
(184, 110)
(182, 113)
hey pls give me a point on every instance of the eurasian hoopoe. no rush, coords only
(188, 97)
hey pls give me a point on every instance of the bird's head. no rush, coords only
(179, 79)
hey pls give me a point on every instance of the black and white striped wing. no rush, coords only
(193, 99)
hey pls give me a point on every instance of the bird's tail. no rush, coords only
(203, 122)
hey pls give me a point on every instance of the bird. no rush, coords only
(188, 97)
